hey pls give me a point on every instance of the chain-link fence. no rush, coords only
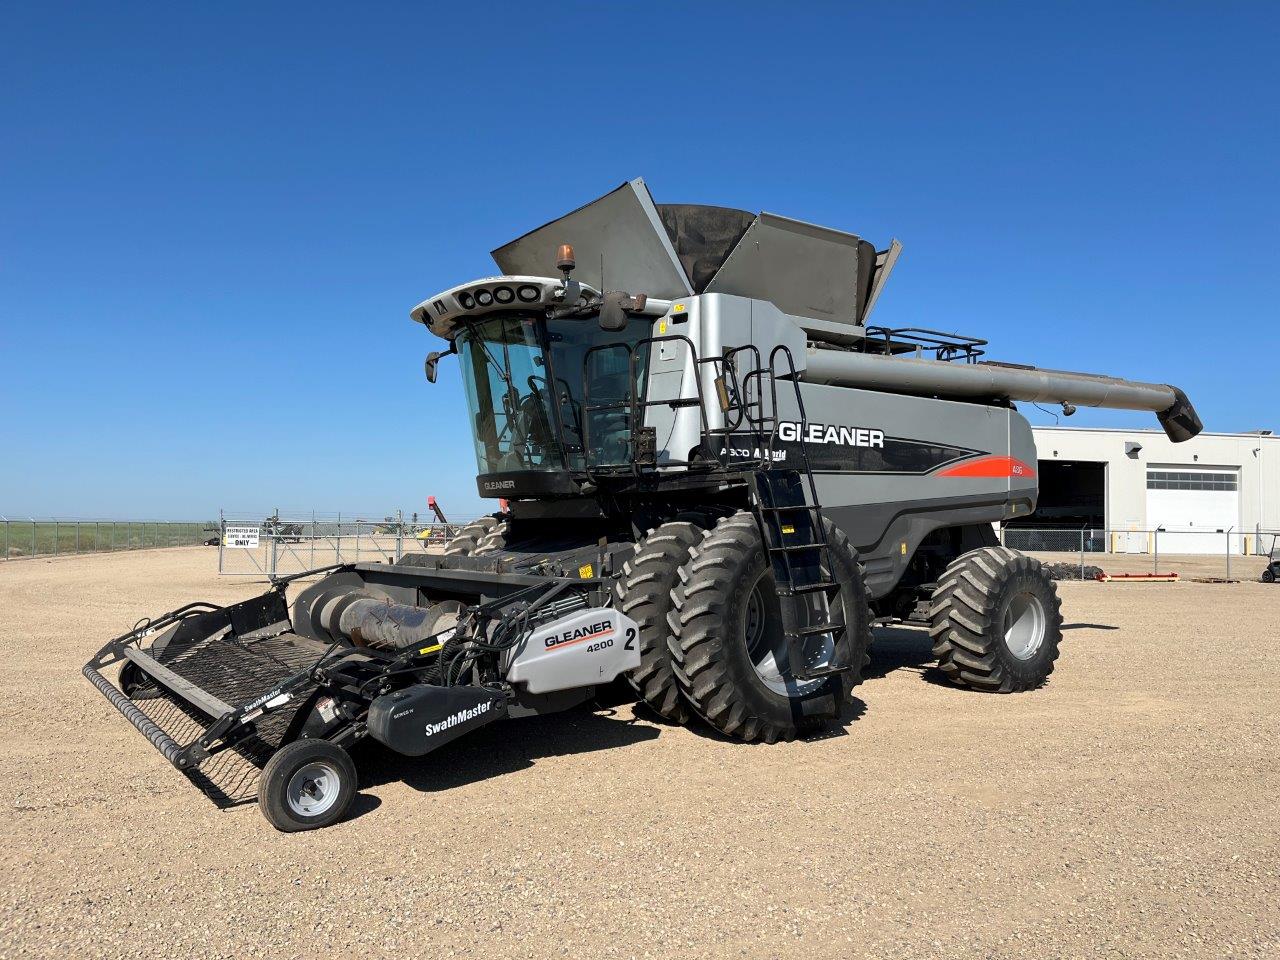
(54, 537)
(1080, 553)
(279, 545)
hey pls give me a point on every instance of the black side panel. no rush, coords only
(888, 534)
(259, 613)
(516, 484)
(418, 719)
(891, 455)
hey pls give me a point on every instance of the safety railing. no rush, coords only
(56, 537)
(1231, 554)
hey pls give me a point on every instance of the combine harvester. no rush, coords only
(718, 474)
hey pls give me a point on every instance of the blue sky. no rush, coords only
(215, 218)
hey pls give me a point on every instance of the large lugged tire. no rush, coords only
(643, 593)
(727, 643)
(495, 539)
(306, 785)
(996, 621)
(466, 540)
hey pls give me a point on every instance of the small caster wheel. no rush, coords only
(306, 785)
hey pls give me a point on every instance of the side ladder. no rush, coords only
(787, 509)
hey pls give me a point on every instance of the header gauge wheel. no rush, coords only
(306, 785)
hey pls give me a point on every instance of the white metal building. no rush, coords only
(1201, 494)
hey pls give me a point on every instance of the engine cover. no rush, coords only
(421, 718)
(581, 650)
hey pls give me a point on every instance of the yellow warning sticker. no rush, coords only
(904, 548)
(431, 649)
(786, 528)
(586, 571)
(662, 327)
(678, 308)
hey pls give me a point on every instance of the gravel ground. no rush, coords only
(1127, 809)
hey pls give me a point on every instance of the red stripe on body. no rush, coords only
(990, 467)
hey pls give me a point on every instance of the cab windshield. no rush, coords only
(523, 377)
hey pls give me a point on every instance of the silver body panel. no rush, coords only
(803, 269)
(581, 650)
(620, 241)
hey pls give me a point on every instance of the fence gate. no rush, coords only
(278, 546)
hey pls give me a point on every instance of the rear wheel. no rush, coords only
(643, 593)
(728, 645)
(1268, 576)
(996, 621)
(306, 785)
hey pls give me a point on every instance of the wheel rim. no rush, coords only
(313, 789)
(1024, 625)
(768, 654)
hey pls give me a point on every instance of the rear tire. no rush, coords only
(466, 540)
(306, 785)
(996, 621)
(727, 621)
(643, 593)
(1268, 576)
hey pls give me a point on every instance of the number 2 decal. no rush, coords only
(631, 639)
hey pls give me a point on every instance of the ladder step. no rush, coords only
(814, 631)
(820, 586)
(765, 508)
(798, 547)
(820, 673)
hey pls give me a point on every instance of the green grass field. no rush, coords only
(27, 538)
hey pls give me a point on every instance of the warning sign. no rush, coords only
(245, 537)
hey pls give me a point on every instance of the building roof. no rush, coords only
(1246, 435)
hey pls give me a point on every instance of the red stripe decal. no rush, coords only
(990, 467)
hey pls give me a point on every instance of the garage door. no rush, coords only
(1191, 505)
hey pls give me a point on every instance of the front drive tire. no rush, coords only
(643, 593)
(727, 644)
(996, 621)
(306, 785)
(465, 542)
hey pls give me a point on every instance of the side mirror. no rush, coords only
(614, 309)
(433, 359)
(612, 315)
